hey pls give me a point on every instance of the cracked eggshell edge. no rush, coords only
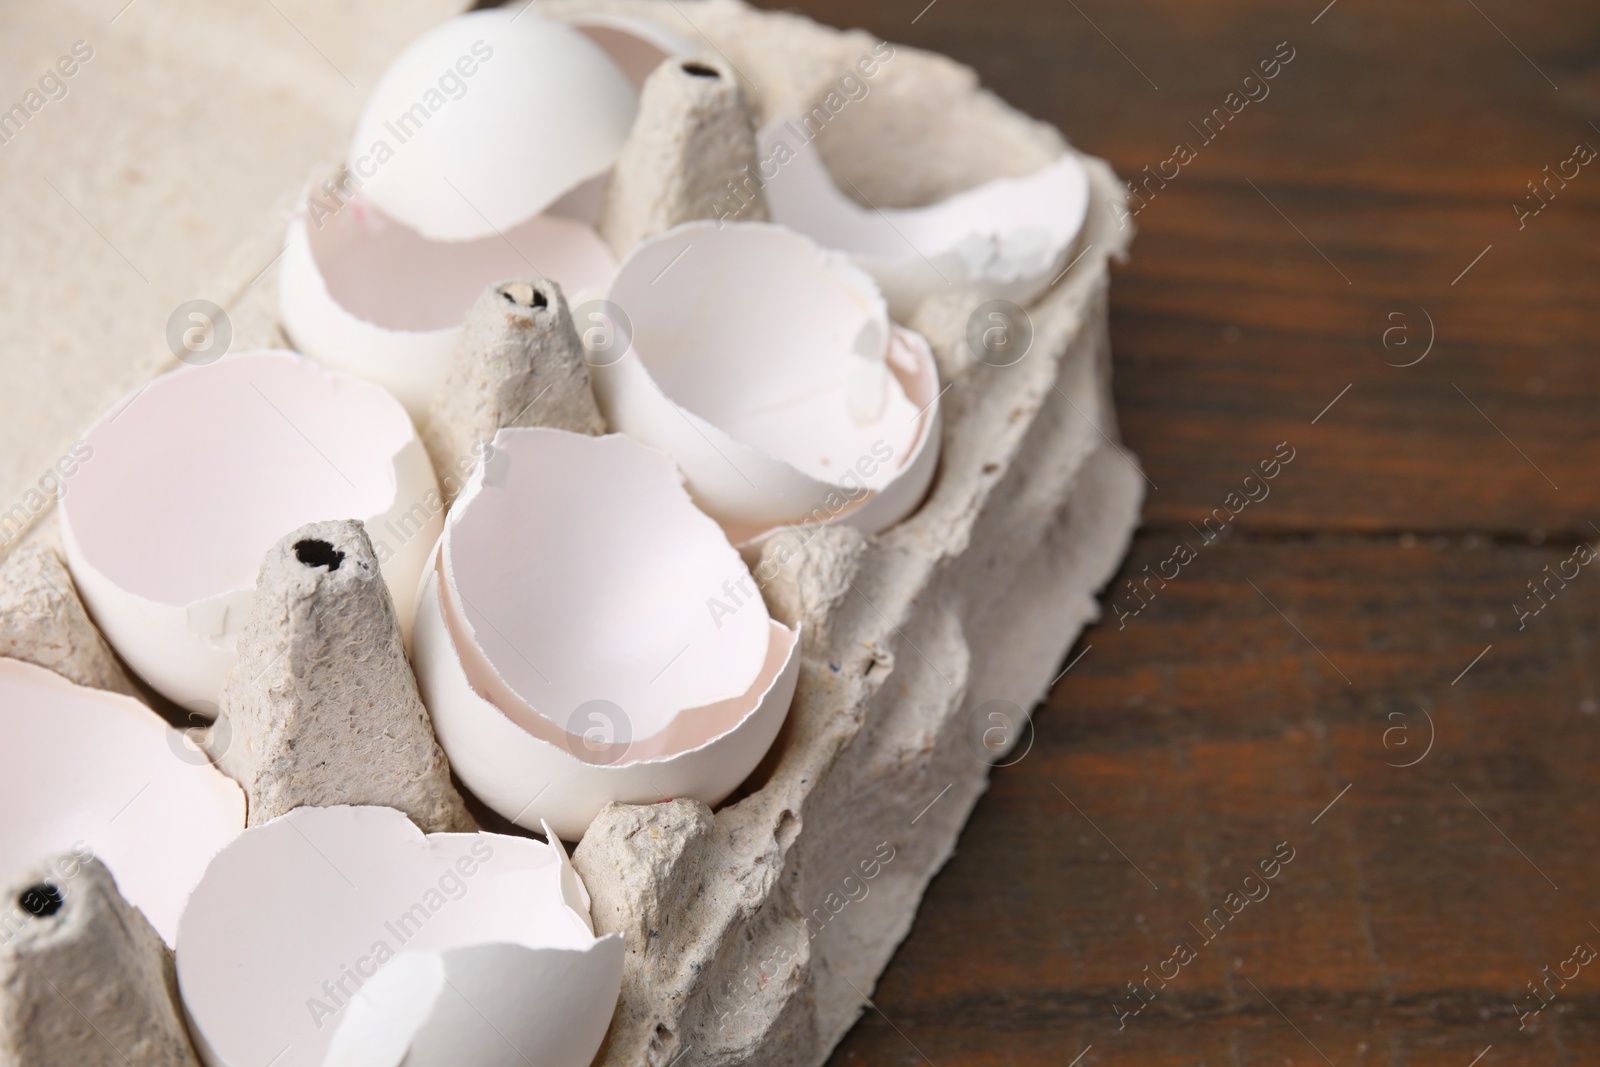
(527, 779)
(157, 640)
(114, 738)
(530, 125)
(500, 952)
(410, 364)
(602, 27)
(947, 243)
(747, 489)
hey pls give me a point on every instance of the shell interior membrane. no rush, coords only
(127, 789)
(297, 918)
(1005, 238)
(581, 571)
(219, 462)
(387, 274)
(769, 369)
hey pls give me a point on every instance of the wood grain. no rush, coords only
(1394, 143)
(1310, 649)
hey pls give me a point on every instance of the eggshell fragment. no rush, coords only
(769, 369)
(345, 936)
(100, 775)
(219, 462)
(427, 1007)
(589, 636)
(1004, 239)
(490, 117)
(637, 46)
(364, 294)
(620, 591)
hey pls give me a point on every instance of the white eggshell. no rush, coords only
(1007, 238)
(580, 570)
(430, 1009)
(762, 364)
(637, 46)
(912, 361)
(93, 773)
(345, 936)
(544, 109)
(194, 476)
(364, 294)
(567, 647)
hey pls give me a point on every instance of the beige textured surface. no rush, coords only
(755, 933)
(91, 985)
(321, 707)
(518, 362)
(158, 178)
(42, 620)
(747, 943)
(692, 144)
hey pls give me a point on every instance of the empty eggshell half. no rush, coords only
(89, 773)
(362, 293)
(346, 936)
(588, 635)
(637, 46)
(489, 118)
(481, 155)
(1007, 238)
(769, 369)
(195, 475)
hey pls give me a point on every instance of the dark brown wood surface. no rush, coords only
(1370, 603)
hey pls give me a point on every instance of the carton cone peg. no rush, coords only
(43, 622)
(84, 978)
(691, 154)
(518, 362)
(321, 707)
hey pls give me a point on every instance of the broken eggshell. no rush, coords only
(98, 774)
(346, 936)
(587, 635)
(1007, 238)
(364, 294)
(768, 368)
(489, 118)
(483, 149)
(218, 462)
(637, 46)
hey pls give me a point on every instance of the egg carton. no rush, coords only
(755, 933)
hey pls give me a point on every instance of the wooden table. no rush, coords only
(1377, 597)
